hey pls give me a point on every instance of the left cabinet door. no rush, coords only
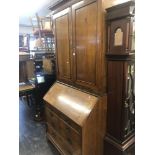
(63, 34)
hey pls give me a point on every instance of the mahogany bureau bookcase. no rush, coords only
(76, 103)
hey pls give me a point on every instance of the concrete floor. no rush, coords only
(32, 136)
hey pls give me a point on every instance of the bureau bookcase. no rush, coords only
(80, 90)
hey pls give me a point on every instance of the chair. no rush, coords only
(42, 29)
(27, 90)
(47, 65)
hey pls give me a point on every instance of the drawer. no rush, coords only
(52, 119)
(52, 111)
(68, 133)
(63, 129)
(61, 144)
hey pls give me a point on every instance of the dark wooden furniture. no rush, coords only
(42, 84)
(73, 120)
(79, 40)
(119, 139)
(79, 30)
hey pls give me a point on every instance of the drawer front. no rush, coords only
(68, 133)
(51, 119)
(71, 136)
(49, 109)
(61, 144)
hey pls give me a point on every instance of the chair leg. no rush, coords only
(27, 99)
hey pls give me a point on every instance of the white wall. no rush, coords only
(25, 30)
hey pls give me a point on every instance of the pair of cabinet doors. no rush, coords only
(76, 34)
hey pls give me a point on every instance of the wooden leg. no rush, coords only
(27, 99)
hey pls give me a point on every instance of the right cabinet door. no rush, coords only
(85, 52)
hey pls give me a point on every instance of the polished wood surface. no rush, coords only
(114, 148)
(75, 104)
(75, 120)
(63, 146)
(64, 131)
(115, 89)
(62, 33)
(84, 42)
(90, 135)
(117, 94)
(85, 28)
(101, 123)
(119, 138)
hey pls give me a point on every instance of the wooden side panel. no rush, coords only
(62, 32)
(95, 128)
(89, 134)
(101, 123)
(115, 85)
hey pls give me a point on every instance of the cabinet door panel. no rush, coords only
(62, 32)
(85, 42)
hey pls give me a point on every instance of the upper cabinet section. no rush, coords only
(79, 44)
(121, 32)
